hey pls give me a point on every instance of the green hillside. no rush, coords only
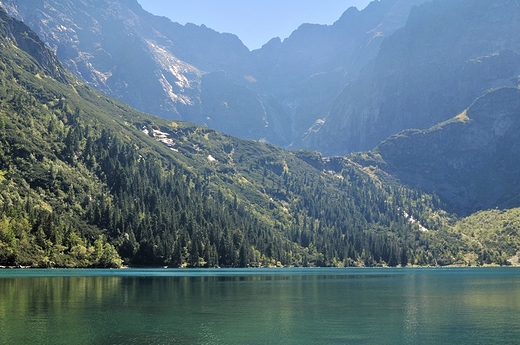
(491, 235)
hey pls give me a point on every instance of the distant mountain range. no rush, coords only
(336, 89)
(419, 101)
(280, 93)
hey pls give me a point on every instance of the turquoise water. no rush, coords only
(260, 306)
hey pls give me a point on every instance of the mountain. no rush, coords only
(337, 89)
(88, 181)
(448, 54)
(278, 93)
(307, 71)
(470, 161)
(149, 62)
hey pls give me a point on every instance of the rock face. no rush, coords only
(448, 54)
(193, 73)
(471, 161)
(26, 40)
(149, 62)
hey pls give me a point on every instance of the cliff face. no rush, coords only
(102, 43)
(471, 161)
(448, 54)
(26, 39)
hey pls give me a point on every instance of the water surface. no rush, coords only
(260, 306)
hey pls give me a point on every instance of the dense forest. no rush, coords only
(86, 181)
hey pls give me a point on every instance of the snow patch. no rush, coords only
(161, 137)
(411, 219)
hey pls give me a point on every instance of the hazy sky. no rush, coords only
(254, 21)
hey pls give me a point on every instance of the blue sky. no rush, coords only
(255, 22)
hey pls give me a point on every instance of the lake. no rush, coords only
(261, 306)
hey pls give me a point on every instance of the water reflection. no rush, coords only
(368, 306)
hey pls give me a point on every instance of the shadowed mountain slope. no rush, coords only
(448, 54)
(471, 161)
